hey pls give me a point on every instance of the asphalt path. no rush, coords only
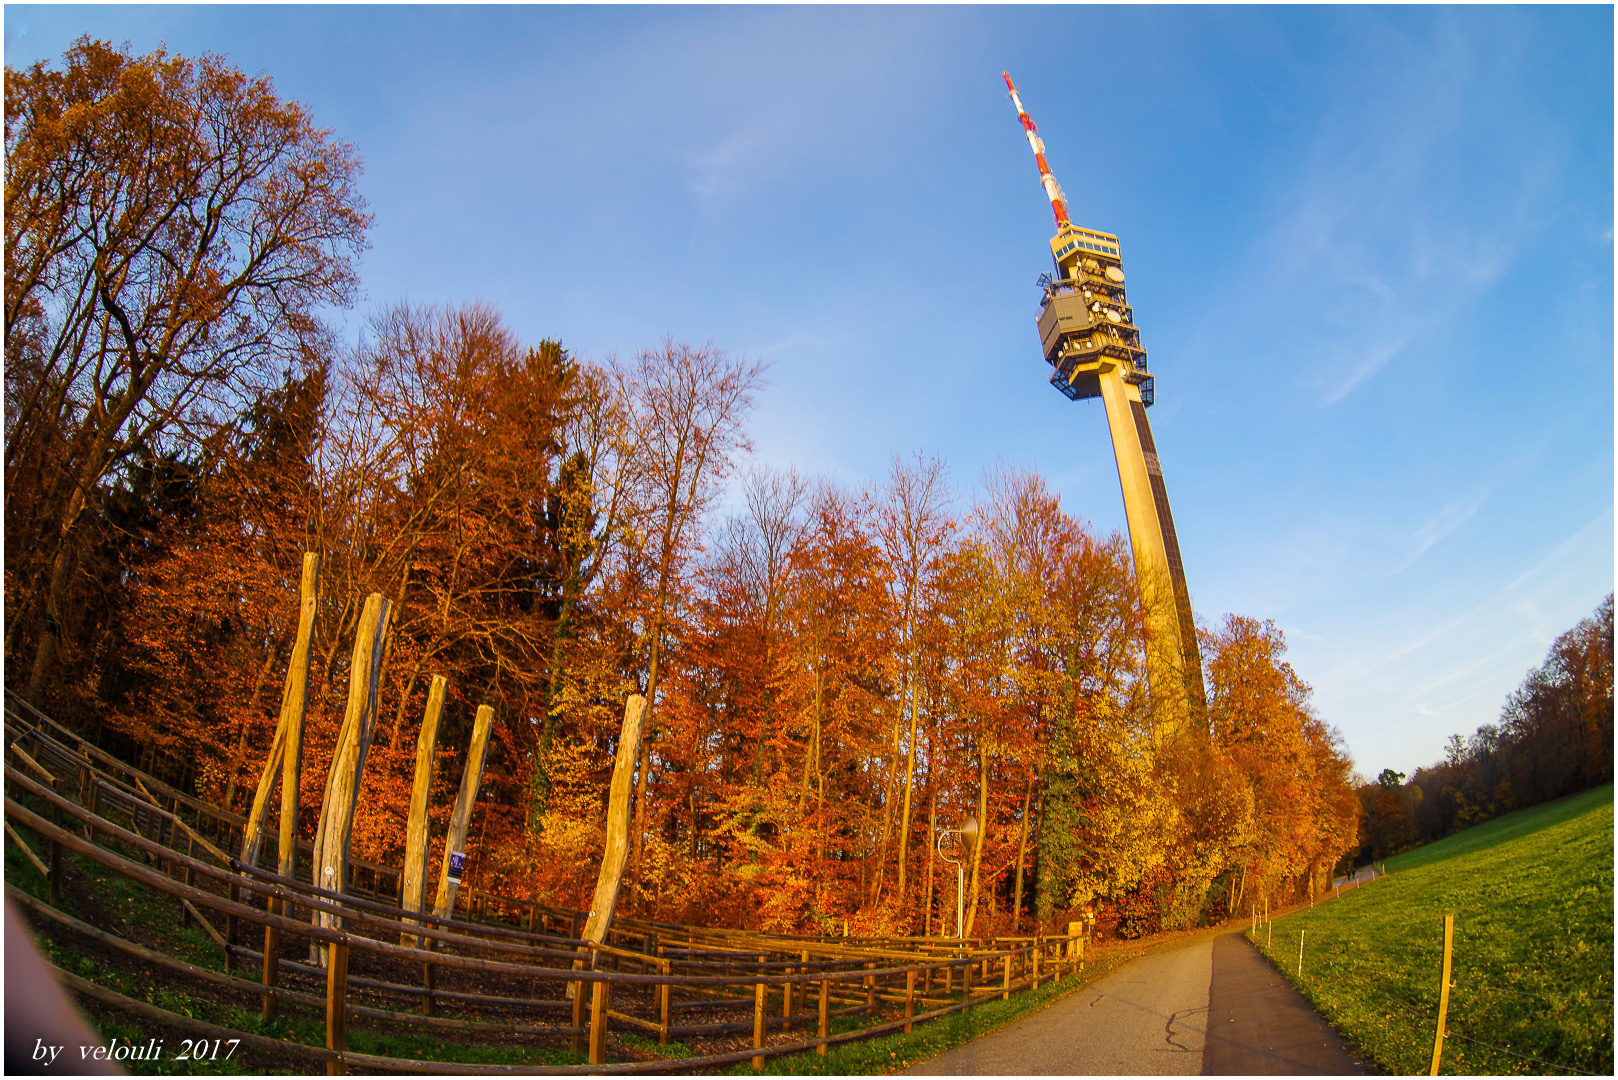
(1211, 1007)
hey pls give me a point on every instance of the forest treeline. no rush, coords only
(834, 673)
(1554, 739)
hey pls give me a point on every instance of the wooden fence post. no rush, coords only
(190, 874)
(1005, 978)
(598, 1021)
(578, 1016)
(1443, 994)
(910, 999)
(759, 990)
(55, 872)
(786, 1002)
(413, 890)
(272, 952)
(336, 1004)
(870, 989)
(664, 968)
(825, 1014)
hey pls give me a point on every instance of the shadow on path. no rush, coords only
(1259, 1025)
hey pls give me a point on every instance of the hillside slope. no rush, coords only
(1532, 896)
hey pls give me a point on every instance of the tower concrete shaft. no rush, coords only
(1091, 342)
(1088, 334)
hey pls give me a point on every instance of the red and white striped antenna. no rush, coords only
(1052, 188)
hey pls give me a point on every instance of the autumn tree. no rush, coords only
(1017, 521)
(686, 409)
(740, 642)
(205, 623)
(915, 530)
(442, 496)
(585, 520)
(1100, 813)
(1304, 816)
(172, 230)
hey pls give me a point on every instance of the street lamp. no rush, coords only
(968, 834)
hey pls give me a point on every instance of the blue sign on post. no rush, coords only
(457, 863)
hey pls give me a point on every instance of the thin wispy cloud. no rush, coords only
(1459, 669)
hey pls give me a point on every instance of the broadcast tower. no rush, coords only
(1089, 337)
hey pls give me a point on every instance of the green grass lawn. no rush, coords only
(1531, 970)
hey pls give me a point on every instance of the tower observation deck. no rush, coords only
(1088, 334)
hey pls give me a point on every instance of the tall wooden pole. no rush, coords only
(616, 855)
(455, 842)
(287, 756)
(293, 699)
(348, 757)
(253, 831)
(294, 708)
(413, 891)
(617, 848)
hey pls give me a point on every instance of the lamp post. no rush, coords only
(968, 834)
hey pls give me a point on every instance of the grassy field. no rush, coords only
(1532, 896)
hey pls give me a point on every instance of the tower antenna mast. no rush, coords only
(1052, 188)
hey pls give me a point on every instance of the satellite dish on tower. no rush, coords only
(1112, 316)
(1115, 274)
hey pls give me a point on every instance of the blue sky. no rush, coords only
(1370, 251)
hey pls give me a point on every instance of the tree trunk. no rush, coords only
(983, 837)
(910, 780)
(932, 852)
(887, 808)
(1022, 853)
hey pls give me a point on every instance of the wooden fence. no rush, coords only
(517, 967)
